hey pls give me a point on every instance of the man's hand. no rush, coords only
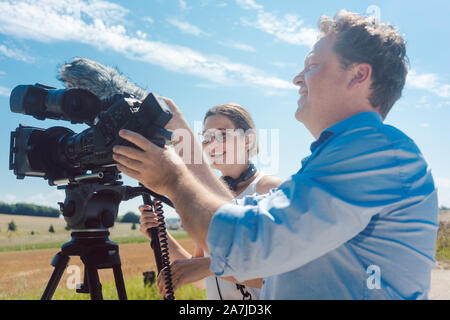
(156, 168)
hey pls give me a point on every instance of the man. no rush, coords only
(357, 221)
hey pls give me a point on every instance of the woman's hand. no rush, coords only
(148, 219)
(178, 121)
(185, 271)
(179, 127)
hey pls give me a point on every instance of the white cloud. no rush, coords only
(4, 91)
(237, 45)
(149, 20)
(186, 27)
(183, 5)
(249, 4)
(49, 199)
(65, 20)
(288, 28)
(428, 81)
(57, 20)
(15, 54)
(9, 198)
(281, 64)
(141, 34)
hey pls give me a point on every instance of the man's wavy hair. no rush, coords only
(362, 39)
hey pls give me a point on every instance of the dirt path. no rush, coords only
(440, 283)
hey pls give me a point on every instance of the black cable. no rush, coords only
(164, 243)
(132, 192)
(218, 288)
(160, 245)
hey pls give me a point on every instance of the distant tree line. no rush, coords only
(28, 209)
(129, 217)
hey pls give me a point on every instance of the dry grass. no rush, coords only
(23, 272)
(23, 239)
(443, 242)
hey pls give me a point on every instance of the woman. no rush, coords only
(229, 141)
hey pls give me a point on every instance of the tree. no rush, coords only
(130, 217)
(12, 226)
(28, 209)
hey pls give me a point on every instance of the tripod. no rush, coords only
(96, 251)
(91, 208)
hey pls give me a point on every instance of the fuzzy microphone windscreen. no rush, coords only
(103, 81)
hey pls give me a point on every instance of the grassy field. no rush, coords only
(443, 238)
(25, 257)
(136, 290)
(33, 233)
(25, 260)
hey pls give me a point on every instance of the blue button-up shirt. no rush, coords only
(357, 221)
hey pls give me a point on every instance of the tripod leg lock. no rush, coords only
(60, 259)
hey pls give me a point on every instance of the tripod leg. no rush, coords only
(95, 287)
(84, 287)
(120, 285)
(60, 262)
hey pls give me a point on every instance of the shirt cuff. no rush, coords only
(220, 237)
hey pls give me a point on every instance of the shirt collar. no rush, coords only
(358, 120)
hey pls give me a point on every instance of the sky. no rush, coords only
(203, 53)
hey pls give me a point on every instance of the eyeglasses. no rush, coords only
(219, 135)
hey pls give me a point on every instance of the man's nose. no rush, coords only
(299, 79)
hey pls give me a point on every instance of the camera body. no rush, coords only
(58, 153)
(82, 161)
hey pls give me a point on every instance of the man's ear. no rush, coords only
(362, 72)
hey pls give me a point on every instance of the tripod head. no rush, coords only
(92, 201)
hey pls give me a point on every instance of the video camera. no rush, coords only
(82, 163)
(82, 160)
(60, 155)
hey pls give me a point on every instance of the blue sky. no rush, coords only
(203, 53)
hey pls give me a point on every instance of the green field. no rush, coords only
(33, 233)
(122, 233)
(135, 291)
